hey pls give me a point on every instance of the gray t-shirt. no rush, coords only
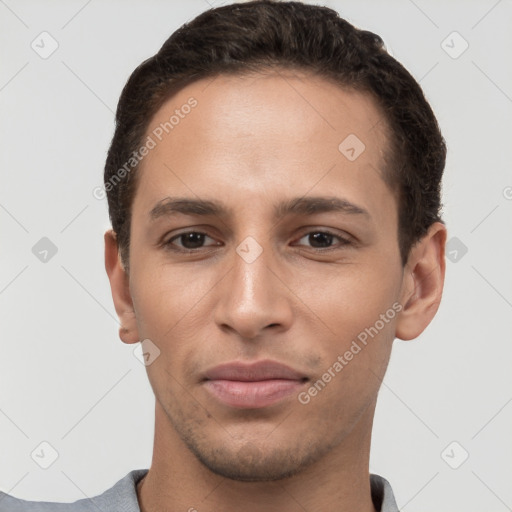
(122, 497)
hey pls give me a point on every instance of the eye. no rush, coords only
(323, 240)
(189, 241)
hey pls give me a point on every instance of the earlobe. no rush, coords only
(119, 285)
(422, 283)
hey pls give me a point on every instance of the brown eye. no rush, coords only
(323, 240)
(189, 241)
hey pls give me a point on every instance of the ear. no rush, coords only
(422, 285)
(120, 286)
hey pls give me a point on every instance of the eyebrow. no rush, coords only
(298, 206)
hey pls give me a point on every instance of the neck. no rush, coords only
(177, 481)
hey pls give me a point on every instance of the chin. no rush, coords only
(251, 463)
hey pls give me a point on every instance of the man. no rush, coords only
(274, 191)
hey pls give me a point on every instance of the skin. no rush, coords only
(253, 142)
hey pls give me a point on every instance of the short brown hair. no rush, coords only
(252, 36)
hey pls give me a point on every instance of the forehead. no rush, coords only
(264, 132)
(306, 103)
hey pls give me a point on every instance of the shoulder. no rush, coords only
(121, 497)
(382, 494)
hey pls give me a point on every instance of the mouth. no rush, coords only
(252, 386)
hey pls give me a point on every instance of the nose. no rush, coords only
(254, 298)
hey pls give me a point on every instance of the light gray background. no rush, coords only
(65, 377)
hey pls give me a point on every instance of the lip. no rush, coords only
(252, 386)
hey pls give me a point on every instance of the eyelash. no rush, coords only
(342, 241)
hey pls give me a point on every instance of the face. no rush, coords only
(264, 265)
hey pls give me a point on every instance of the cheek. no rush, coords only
(165, 305)
(354, 356)
(360, 309)
(369, 310)
(164, 296)
(174, 309)
(350, 298)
